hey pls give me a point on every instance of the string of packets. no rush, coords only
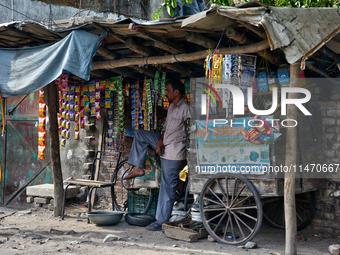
(77, 99)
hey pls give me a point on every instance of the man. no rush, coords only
(170, 145)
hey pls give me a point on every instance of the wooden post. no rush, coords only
(52, 103)
(291, 154)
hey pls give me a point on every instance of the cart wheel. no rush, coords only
(121, 193)
(231, 208)
(273, 210)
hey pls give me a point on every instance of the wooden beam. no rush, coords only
(106, 53)
(117, 46)
(187, 57)
(144, 71)
(171, 50)
(243, 39)
(52, 102)
(157, 38)
(118, 37)
(179, 69)
(130, 43)
(25, 34)
(201, 40)
(254, 29)
(291, 155)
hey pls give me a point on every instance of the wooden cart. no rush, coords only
(233, 205)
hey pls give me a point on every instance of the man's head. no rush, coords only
(174, 89)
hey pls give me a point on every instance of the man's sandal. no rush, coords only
(155, 226)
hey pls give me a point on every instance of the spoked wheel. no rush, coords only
(273, 210)
(231, 208)
(122, 189)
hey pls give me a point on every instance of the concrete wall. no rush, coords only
(65, 9)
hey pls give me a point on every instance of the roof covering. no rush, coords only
(301, 31)
(180, 43)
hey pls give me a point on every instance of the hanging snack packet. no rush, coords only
(76, 117)
(82, 123)
(72, 116)
(71, 107)
(76, 126)
(67, 124)
(67, 115)
(82, 112)
(87, 106)
(76, 135)
(42, 110)
(67, 134)
(41, 157)
(93, 111)
(41, 96)
(77, 108)
(98, 115)
(59, 118)
(63, 142)
(42, 123)
(41, 150)
(63, 124)
(41, 138)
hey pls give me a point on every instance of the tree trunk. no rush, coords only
(52, 103)
(291, 152)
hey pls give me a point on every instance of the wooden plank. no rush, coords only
(51, 91)
(181, 235)
(99, 148)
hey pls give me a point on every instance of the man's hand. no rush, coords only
(160, 148)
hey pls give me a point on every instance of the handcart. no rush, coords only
(232, 205)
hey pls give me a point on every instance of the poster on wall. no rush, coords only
(226, 150)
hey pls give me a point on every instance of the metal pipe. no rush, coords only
(12, 2)
(3, 167)
(79, 7)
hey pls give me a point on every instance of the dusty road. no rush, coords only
(38, 232)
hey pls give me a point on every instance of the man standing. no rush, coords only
(170, 145)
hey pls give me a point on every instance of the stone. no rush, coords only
(47, 190)
(210, 239)
(250, 245)
(50, 207)
(3, 240)
(89, 235)
(25, 212)
(62, 248)
(334, 249)
(29, 199)
(71, 232)
(9, 230)
(56, 232)
(112, 237)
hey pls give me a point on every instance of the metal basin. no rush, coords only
(104, 218)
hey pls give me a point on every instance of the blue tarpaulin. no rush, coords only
(23, 71)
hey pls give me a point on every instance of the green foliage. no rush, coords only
(170, 5)
(286, 3)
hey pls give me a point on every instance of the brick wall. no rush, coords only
(327, 215)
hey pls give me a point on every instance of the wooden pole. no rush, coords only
(201, 40)
(291, 154)
(144, 51)
(243, 39)
(106, 53)
(186, 57)
(52, 103)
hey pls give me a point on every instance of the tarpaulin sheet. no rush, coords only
(26, 70)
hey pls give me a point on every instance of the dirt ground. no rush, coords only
(36, 231)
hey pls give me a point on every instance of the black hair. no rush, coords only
(177, 85)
